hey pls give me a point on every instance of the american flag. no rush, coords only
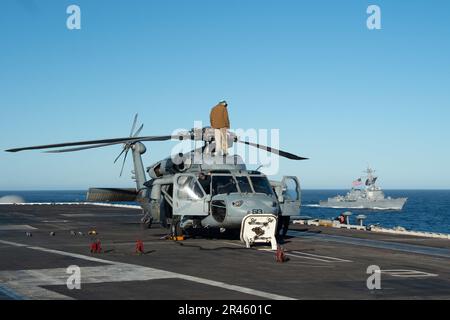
(357, 182)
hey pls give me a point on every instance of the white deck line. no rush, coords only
(320, 256)
(298, 254)
(26, 282)
(15, 227)
(308, 258)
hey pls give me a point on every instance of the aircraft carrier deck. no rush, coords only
(324, 263)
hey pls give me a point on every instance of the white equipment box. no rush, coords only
(259, 228)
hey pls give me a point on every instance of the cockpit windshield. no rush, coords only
(223, 185)
(261, 185)
(244, 184)
(226, 184)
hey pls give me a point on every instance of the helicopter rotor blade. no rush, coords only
(155, 138)
(81, 148)
(124, 160)
(138, 131)
(127, 146)
(121, 153)
(275, 151)
(134, 124)
(99, 143)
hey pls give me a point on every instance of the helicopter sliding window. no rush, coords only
(223, 185)
(291, 193)
(244, 185)
(189, 189)
(261, 185)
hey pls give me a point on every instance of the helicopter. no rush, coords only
(196, 190)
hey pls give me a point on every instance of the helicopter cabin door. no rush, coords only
(189, 198)
(291, 193)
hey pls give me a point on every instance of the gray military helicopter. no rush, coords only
(195, 190)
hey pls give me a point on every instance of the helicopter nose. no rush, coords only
(255, 204)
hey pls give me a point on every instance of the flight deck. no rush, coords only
(39, 242)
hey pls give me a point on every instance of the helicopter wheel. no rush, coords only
(175, 228)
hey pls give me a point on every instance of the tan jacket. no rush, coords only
(219, 117)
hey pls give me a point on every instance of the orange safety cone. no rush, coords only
(139, 247)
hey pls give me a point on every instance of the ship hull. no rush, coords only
(384, 204)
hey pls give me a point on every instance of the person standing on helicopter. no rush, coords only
(221, 123)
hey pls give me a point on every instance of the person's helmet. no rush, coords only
(223, 102)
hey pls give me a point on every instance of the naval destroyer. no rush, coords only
(369, 196)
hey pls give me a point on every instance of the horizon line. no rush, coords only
(305, 189)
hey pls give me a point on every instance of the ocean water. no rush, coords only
(425, 210)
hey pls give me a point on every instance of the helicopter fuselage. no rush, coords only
(218, 193)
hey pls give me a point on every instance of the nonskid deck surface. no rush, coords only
(324, 263)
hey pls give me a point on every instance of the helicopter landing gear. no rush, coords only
(175, 227)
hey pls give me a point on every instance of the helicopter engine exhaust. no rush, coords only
(169, 167)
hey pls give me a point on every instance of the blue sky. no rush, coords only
(340, 94)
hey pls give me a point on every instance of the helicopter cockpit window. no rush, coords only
(189, 189)
(205, 182)
(244, 184)
(223, 185)
(262, 185)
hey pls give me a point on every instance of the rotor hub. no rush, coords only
(139, 147)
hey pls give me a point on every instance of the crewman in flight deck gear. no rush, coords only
(221, 123)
